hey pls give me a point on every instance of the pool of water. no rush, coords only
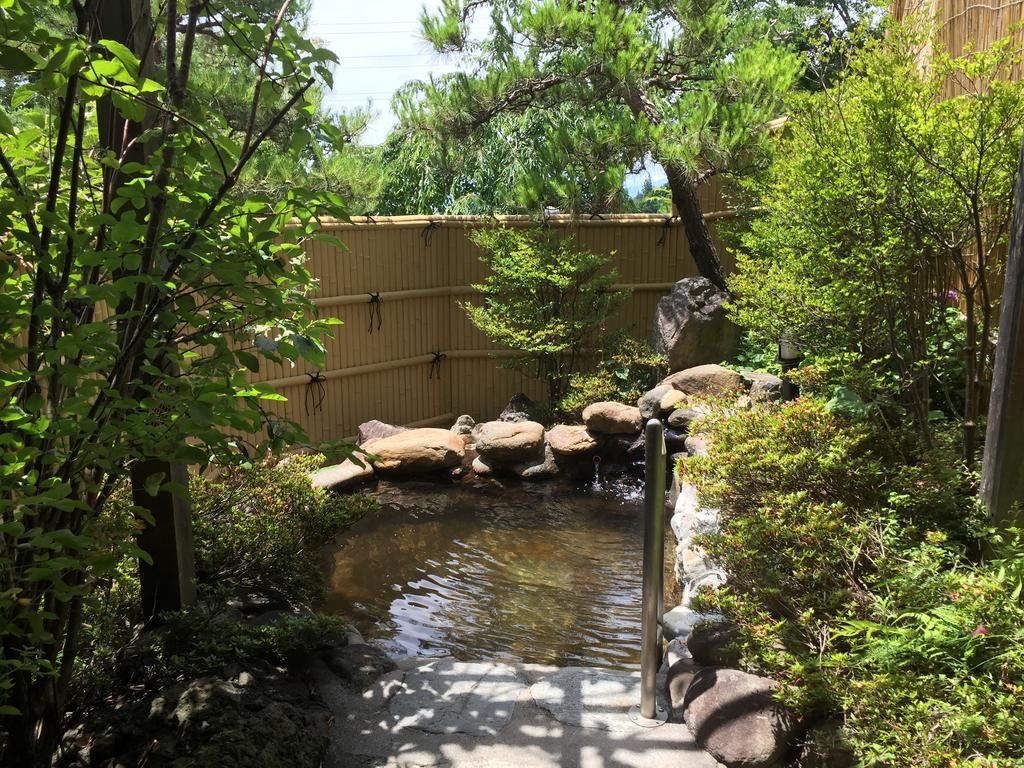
(541, 572)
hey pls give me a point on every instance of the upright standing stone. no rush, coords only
(1002, 474)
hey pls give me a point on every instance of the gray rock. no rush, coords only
(539, 470)
(734, 716)
(764, 386)
(677, 680)
(519, 408)
(463, 425)
(509, 442)
(823, 746)
(682, 418)
(650, 402)
(691, 327)
(709, 379)
(713, 644)
(680, 621)
(375, 430)
(343, 475)
(359, 665)
(608, 418)
(696, 445)
(675, 441)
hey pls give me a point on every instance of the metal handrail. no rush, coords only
(653, 603)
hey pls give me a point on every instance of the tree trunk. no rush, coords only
(698, 236)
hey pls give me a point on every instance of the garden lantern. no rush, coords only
(788, 357)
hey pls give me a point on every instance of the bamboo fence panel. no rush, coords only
(424, 268)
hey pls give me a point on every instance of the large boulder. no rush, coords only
(691, 327)
(508, 441)
(733, 715)
(608, 418)
(710, 379)
(344, 475)
(572, 440)
(417, 451)
(375, 430)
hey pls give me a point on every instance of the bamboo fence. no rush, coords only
(414, 358)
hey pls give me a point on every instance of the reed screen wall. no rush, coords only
(383, 367)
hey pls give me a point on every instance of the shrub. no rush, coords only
(258, 525)
(883, 198)
(849, 553)
(624, 372)
(543, 299)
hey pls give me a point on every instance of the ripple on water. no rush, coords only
(540, 573)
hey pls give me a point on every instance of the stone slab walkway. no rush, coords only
(498, 715)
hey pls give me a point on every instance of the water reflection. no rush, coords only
(535, 572)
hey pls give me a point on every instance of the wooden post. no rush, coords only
(1002, 473)
(169, 583)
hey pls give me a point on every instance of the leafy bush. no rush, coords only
(848, 549)
(543, 299)
(622, 374)
(885, 197)
(258, 525)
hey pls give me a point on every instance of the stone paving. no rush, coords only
(444, 712)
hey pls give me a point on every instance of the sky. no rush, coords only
(380, 48)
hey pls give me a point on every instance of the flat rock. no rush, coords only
(711, 379)
(587, 697)
(448, 696)
(733, 715)
(571, 440)
(506, 442)
(339, 476)
(417, 451)
(375, 430)
(609, 418)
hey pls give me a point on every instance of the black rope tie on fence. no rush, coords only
(435, 365)
(315, 391)
(596, 215)
(369, 218)
(428, 232)
(375, 302)
(665, 227)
